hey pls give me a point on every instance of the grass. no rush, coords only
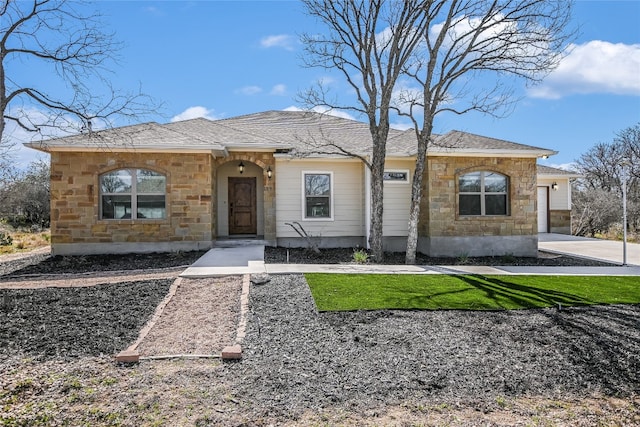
(348, 292)
(24, 241)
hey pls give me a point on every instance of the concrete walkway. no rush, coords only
(607, 250)
(249, 259)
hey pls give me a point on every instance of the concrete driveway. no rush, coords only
(586, 247)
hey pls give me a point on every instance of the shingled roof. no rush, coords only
(555, 172)
(299, 132)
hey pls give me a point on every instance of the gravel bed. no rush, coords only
(67, 323)
(345, 256)
(43, 264)
(296, 359)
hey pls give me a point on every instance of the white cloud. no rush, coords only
(279, 90)
(194, 113)
(152, 10)
(283, 41)
(324, 110)
(594, 67)
(249, 90)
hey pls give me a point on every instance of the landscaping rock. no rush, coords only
(260, 279)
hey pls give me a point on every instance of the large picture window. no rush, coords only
(132, 193)
(482, 193)
(318, 193)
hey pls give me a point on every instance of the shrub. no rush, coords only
(5, 239)
(360, 256)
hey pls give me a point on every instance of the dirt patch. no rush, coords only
(200, 319)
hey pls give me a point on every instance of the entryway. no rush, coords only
(239, 201)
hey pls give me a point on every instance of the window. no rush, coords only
(132, 190)
(482, 193)
(318, 194)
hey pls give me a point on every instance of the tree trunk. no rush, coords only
(416, 197)
(377, 183)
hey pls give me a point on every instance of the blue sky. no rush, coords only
(221, 59)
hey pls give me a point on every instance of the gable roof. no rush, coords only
(549, 172)
(142, 137)
(297, 132)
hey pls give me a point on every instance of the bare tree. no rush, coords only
(598, 194)
(24, 200)
(422, 58)
(369, 42)
(59, 39)
(472, 53)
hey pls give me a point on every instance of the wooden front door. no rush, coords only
(242, 206)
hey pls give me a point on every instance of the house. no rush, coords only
(554, 199)
(184, 185)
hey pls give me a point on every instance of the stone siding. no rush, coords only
(440, 222)
(560, 221)
(75, 193)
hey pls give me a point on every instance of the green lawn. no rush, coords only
(343, 292)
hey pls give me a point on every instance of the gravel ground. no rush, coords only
(66, 323)
(296, 359)
(301, 367)
(43, 264)
(201, 318)
(345, 255)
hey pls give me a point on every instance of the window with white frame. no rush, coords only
(124, 192)
(483, 193)
(318, 195)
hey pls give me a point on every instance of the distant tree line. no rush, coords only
(25, 195)
(597, 197)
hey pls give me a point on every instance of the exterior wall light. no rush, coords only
(554, 186)
(269, 172)
(241, 167)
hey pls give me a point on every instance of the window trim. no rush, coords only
(394, 182)
(133, 194)
(482, 193)
(304, 196)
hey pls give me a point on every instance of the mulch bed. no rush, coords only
(46, 264)
(296, 359)
(64, 323)
(345, 256)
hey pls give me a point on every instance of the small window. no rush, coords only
(125, 191)
(482, 193)
(317, 195)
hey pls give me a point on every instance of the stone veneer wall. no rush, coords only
(560, 221)
(75, 224)
(444, 233)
